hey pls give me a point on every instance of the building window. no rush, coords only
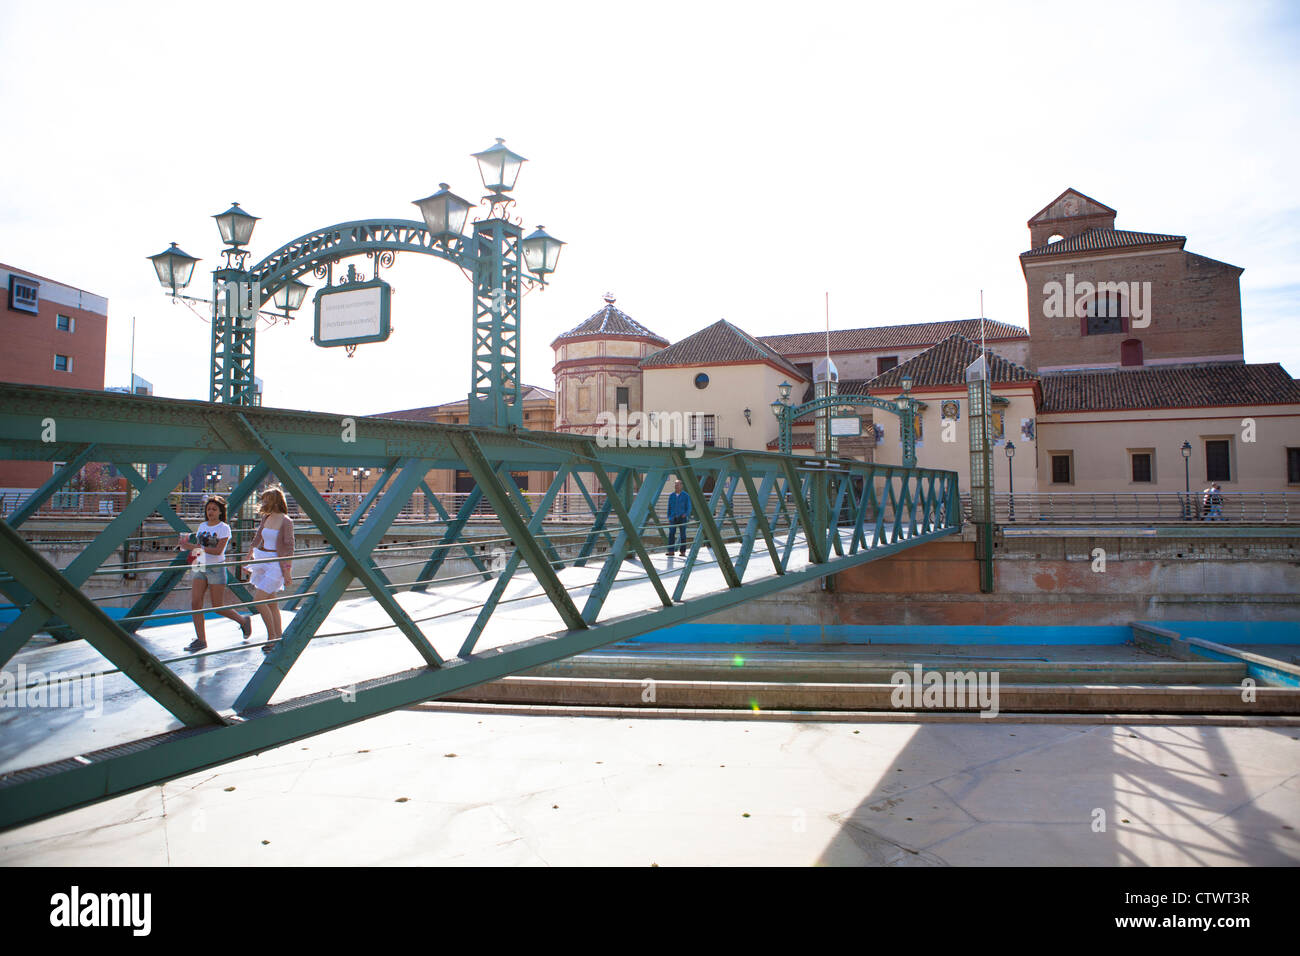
(1062, 470)
(1293, 466)
(1140, 466)
(702, 380)
(1217, 460)
(24, 294)
(704, 427)
(64, 323)
(62, 363)
(1105, 313)
(885, 363)
(621, 397)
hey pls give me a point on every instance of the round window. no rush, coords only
(701, 381)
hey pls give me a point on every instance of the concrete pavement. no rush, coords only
(426, 787)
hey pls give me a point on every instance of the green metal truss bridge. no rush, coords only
(364, 639)
(767, 522)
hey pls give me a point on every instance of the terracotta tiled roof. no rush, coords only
(1097, 239)
(718, 344)
(610, 321)
(914, 335)
(1184, 386)
(946, 363)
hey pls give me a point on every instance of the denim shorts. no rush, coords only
(213, 575)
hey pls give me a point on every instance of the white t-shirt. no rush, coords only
(208, 535)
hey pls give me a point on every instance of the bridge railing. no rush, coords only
(1164, 507)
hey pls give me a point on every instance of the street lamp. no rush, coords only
(784, 389)
(1011, 483)
(499, 168)
(444, 213)
(748, 417)
(174, 268)
(289, 296)
(541, 253)
(1187, 480)
(236, 226)
(907, 382)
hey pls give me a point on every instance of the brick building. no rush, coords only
(1101, 297)
(54, 334)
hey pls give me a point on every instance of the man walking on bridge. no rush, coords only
(679, 509)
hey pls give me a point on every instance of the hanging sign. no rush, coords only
(352, 313)
(846, 426)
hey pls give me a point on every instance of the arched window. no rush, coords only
(1054, 237)
(1130, 352)
(1105, 312)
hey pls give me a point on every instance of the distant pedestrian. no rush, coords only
(1213, 502)
(209, 572)
(679, 510)
(274, 539)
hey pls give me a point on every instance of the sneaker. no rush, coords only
(246, 625)
(196, 645)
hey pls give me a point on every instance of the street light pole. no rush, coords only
(1187, 480)
(1011, 483)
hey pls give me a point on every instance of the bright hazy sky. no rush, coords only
(701, 160)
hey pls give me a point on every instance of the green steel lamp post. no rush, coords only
(781, 409)
(1011, 483)
(907, 431)
(1187, 480)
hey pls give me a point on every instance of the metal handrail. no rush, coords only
(1161, 506)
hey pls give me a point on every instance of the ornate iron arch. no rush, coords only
(792, 413)
(491, 255)
(332, 243)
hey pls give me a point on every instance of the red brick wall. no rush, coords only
(30, 344)
(1195, 310)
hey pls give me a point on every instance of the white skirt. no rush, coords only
(266, 577)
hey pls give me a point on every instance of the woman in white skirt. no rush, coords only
(268, 577)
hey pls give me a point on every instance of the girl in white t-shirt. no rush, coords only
(209, 574)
